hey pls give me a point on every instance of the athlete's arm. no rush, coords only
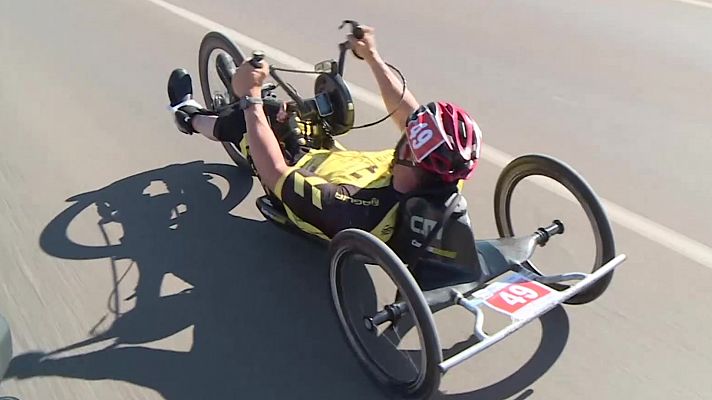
(264, 148)
(388, 82)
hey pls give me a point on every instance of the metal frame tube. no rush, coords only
(562, 297)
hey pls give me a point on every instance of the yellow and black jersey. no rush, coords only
(329, 191)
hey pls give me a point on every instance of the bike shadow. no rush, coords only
(259, 307)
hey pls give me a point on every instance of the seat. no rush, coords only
(450, 257)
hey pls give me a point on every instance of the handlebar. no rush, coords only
(301, 104)
(356, 29)
(256, 62)
(257, 57)
(357, 32)
(307, 108)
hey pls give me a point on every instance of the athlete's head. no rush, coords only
(442, 139)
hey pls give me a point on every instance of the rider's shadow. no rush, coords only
(260, 307)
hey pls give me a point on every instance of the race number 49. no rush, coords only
(516, 295)
(420, 135)
(424, 135)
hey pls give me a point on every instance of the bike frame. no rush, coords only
(509, 258)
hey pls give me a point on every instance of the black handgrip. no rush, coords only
(357, 31)
(257, 57)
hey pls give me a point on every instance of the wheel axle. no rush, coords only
(391, 312)
(544, 234)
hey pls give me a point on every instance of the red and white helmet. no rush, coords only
(444, 140)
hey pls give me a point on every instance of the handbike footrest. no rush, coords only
(524, 300)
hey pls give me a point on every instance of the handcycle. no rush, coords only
(432, 260)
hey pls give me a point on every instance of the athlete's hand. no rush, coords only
(365, 47)
(248, 80)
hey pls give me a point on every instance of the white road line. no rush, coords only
(697, 3)
(651, 230)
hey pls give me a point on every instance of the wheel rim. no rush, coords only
(214, 91)
(404, 368)
(210, 82)
(211, 86)
(585, 199)
(596, 229)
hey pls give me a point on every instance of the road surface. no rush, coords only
(621, 90)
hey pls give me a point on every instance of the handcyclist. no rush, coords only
(324, 192)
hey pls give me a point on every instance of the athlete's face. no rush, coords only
(403, 152)
(406, 175)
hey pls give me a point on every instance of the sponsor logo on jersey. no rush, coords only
(423, 226)
(357, 202)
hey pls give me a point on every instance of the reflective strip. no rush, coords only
(316, 197)
(315, 180)
(280, 183)
(299, 184)
(441, 252)
(316, 192)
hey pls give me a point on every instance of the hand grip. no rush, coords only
(357, 31)
(257, 57)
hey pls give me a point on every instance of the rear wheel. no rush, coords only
(401, 354)
(540, 165)
(215, 92)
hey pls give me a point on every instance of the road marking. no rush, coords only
(696, 3)
(645, 227)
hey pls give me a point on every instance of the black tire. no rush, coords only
(355, 244)
(536, 164)
(211, 42)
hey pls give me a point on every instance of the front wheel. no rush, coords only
(366, 276)
(215, 92)
(540, 165)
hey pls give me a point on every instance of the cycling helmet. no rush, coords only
(444, 140)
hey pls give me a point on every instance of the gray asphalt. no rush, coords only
(231, 307)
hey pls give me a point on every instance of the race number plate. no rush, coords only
(424, 135)
(517, 296)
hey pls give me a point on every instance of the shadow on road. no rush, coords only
(260, 308)
(554, 336)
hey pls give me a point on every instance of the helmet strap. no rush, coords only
(406, 163)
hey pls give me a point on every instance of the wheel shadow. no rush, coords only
(259, 304)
